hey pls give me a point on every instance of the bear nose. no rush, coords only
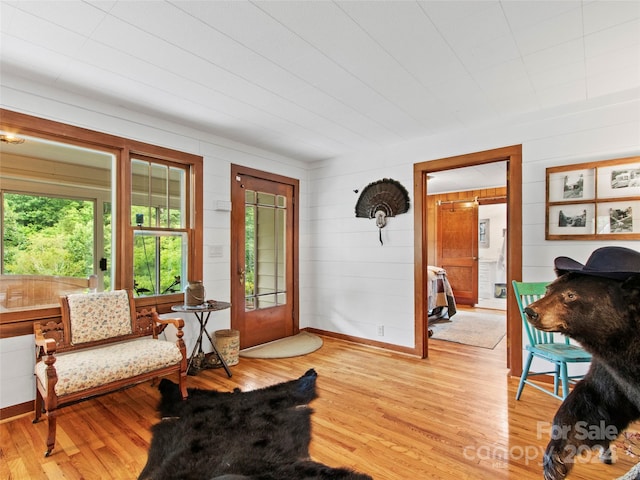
(530, 313)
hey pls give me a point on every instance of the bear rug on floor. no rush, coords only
(258, 435)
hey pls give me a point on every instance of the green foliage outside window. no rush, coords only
(150, 246)
(47, 236)
(249, 251)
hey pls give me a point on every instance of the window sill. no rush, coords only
(15, 323)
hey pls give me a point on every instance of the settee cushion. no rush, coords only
(99, 316)
(84, 369)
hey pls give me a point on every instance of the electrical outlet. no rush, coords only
(381, 330)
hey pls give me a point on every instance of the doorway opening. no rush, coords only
(469, 232)
(424, 218)
(492, 255)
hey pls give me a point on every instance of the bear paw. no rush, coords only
(554, 465)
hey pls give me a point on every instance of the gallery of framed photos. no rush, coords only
(595, 200)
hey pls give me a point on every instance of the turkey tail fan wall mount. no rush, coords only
(381, 199)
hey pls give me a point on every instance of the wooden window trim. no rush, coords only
(18, 323)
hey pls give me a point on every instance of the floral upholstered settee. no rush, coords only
(101, 344)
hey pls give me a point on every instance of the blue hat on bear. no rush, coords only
(618, 263)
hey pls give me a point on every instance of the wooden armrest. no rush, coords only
(176, 322)
(179, 324)
(161, 323)
(46, 345)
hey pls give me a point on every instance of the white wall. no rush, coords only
(355, 284)
(350, 284)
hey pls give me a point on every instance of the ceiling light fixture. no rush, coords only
(11, 139)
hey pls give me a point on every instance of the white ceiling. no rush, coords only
(320, 79)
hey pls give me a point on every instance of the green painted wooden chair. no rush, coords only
(553, 348)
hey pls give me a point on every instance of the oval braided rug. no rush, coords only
(296, 345)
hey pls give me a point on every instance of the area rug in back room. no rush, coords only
(476, 328)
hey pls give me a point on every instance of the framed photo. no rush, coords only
(619, 181)
(574, 219)
(595, 200)
(483, 233)
(572, 185)
(618, 217)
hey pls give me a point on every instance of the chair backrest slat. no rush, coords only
(526, 293)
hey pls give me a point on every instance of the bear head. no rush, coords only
(601, 313)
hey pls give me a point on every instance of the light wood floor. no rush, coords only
(452, 416)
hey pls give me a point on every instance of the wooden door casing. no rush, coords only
(424, 244)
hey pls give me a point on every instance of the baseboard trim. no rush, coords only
(15, 410)
(365, 341)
